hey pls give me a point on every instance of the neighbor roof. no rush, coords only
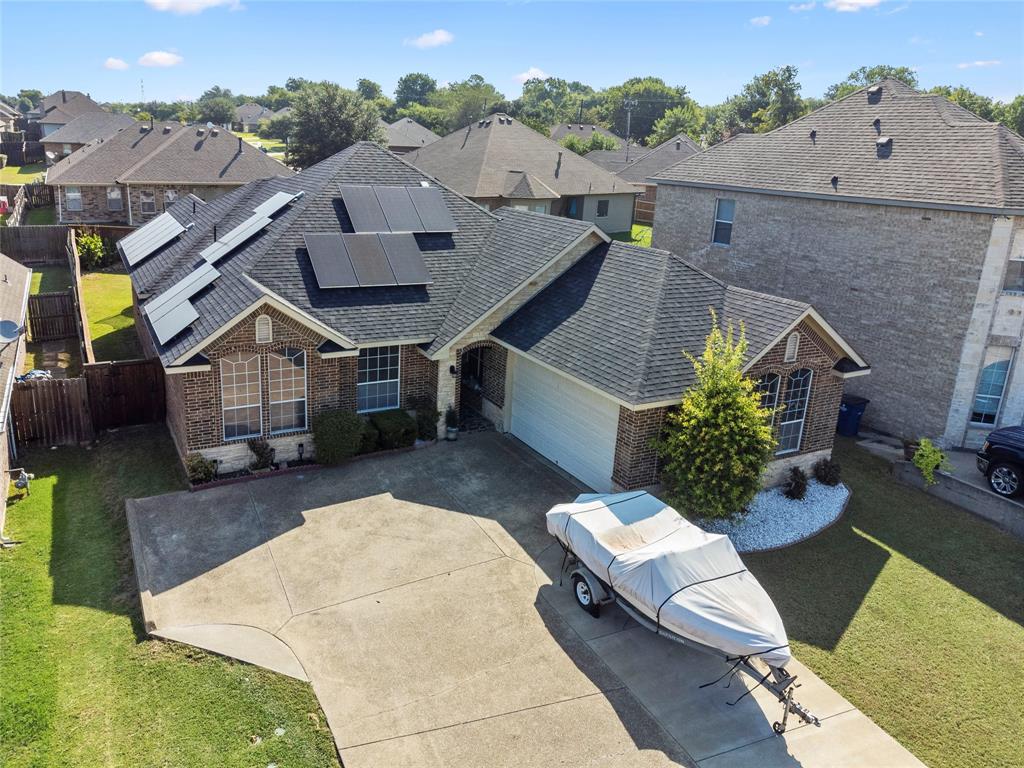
(168, 153)
(406, 132)
(476, 161)
(583, 131)
(91, 125)
(61, 107)
(940, 155)
(614, 160)
(8, 110)
(642, 166)
(251, 113)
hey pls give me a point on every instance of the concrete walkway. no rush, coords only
(419, 594)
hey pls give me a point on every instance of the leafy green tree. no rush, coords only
(328, 118)
(465, 101)
(717, 443)
(368, 89)
(868, 75)
(982, 106)
(219, 110)
(277, 127)
(1012, 115)
(414, 88)
(652, 97)
(770, 100)
(216, 92)
(548, 101)
(277, 98)
(296, 84)
(593, 142)
(188, 112)
(143, 117)
(688, 118)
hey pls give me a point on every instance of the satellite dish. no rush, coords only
(209, 125)
(50, 155)
(9, 331)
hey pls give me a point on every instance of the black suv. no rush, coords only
(1001, 460)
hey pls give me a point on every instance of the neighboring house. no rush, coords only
(283, 111)
(8, 117)
(15, 286)
(405, 135)
(363, 285)
(82, 130)
(584, 132)
(901, 217)
(60, 108)
(637, 167)
(500, 161)
(135, 174)
(248, 117)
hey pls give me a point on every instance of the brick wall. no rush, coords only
(898, 283)
(94, 202)
(418, 378)
(636, 460)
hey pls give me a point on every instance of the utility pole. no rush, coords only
(629, 105)
(142, 90)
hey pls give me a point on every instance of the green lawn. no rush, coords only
(640, 235)
(914, 611)
(37, 216)
(107, 296)
(82, 684)
(275, 147)
(21, 174)
(49, 279)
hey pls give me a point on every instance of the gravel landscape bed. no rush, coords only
(773, 521)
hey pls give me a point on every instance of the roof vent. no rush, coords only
(200, 131)
(240, 150)
(813, 135)
(167, 129)
(480, 124)
(877, 122)
(835, 182)
(875, 90)
(679, 144)
(883, 141)
(214, 132)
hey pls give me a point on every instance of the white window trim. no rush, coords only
(119, 198)
(1002, 396)
(803, 417)
(68, 197)
(224, 409)
(305, 392)
(142, 203)
(717, 221)
(397, 379)
(168, 202)
(775, 401)
(269, 323)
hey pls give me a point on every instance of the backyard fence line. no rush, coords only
(52, 316)
(51, 411)
(44, 244)
(81, 320)
(40, 195)
(19, 205)
(111, 232)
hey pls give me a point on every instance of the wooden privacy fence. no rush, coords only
(105, 396)
(52, 316)
(44, 244)
(39, 195)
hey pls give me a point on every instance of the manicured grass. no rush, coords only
(275, 147)
(49, 279)
(107, 296)
(914, 611)
(640, 235)
(82, 684)
(21, 174)
(39, 216)
(61, 354)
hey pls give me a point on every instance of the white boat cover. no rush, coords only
(691, 582)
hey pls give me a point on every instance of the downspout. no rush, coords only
(60, 208)
(128, 194)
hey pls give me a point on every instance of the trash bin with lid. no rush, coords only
(850, 413)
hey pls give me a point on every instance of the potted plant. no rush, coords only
(451, 424)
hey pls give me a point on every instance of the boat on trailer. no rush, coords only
(678, 581)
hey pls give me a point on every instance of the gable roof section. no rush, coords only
(61, 107)
(583, 131)
(476, 160)
(406, 132)
(940, 155)
(90, 126)
(252, 112)
(644, 165)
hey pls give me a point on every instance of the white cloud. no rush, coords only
(761, 21)
(801, 7)
(979, 34)
(977, 64)
(431, 39)
(160, 59)
(190, 7)
(897, 9)
(851, 6)
(113, 63)
(531, 73)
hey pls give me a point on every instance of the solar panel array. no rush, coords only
(375, 209)
(172, 311)
(260, 218)
(366, 259)
(150, 238)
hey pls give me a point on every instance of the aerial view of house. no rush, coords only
(83, 129)
(60, 108)
(248, 116)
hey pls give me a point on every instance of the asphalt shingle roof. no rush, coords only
(476, 160)
(406, 132)
(644, 165)
(90, 126)
(61, 107)
(251, 113)
(583, 131)
(940, 154)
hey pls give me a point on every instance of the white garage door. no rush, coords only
(564, 422)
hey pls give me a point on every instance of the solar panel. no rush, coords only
(368, 259)
(330, 259)
(405, 258)
(398, 209)
(146, 240)
(363, 209)
(228, 242)
(169, 325)
(181, 291)
(432, 209)
(275, 203)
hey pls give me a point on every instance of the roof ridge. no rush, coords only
(770, 296)
(149, 155)
(434, 179)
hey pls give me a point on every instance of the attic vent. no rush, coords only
(264, 329)
(875, 90)
(813, 134)
(214, 132)
(883, 141)
(792, 347)
(167, 129)
(200, 132)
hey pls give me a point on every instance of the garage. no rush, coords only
(563, 421)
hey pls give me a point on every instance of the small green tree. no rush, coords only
(717, 443)
(595, 141)
(326, 119)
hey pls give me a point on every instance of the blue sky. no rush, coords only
(180, 47)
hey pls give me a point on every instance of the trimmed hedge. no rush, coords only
(338, 435)
(397, 429)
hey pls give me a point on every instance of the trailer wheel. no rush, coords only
(779, 728)
(584, 597)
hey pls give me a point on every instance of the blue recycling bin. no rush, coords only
(850, 413)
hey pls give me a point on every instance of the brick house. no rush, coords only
(60, 108)
(405, 134)
(898, 215)
(132, 176)
(542, 325)
(83, 129)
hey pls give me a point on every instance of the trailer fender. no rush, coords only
(600, 594)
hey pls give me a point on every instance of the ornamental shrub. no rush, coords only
(397, 428)
(371, 438)
(199, 468)
(263, 453)
(717, 443)
(929, 458)
(796, 484)
(91, 251)
(827, 471)
(338, 435)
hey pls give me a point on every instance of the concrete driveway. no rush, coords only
(415, 592)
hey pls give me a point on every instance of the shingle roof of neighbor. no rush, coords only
(614, 160)
(91, 125)
(939, 155)
(644, 165)
(250, 113)
(168, 153)
(584, 131)
(406, 132)
(61, 107)
(618, 319)
(477, 159)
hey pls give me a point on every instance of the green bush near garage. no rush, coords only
(397, 429)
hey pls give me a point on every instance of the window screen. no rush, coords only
(287, 390)
(147, 201)
(73, 198)
(114, 202)
(602, 209)
(240, 395)
(791, 419)
(991, 384)
(377, 379)
(725, 210)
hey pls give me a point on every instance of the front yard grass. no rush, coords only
(640, 234)
(21, 174)
(275, 147)
(914, 611)
(107, 295)
(82, 685)
(50, 278)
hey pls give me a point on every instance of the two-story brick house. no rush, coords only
(360, 283)
(132, 176)
(898, 215)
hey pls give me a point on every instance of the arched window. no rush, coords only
(287, 390)
(768, 389)
(240, 395)
(791, 419)
(264, 329)
(792, 347)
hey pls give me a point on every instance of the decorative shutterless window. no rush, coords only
(114, 201)
(73, 198)
(147, 200)
(66, 149)
(287, 390)
(170, 195)
(240, 395)
(725, 211)
(768, 389)
(988, 397)
(377, 377)
(791, 419)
